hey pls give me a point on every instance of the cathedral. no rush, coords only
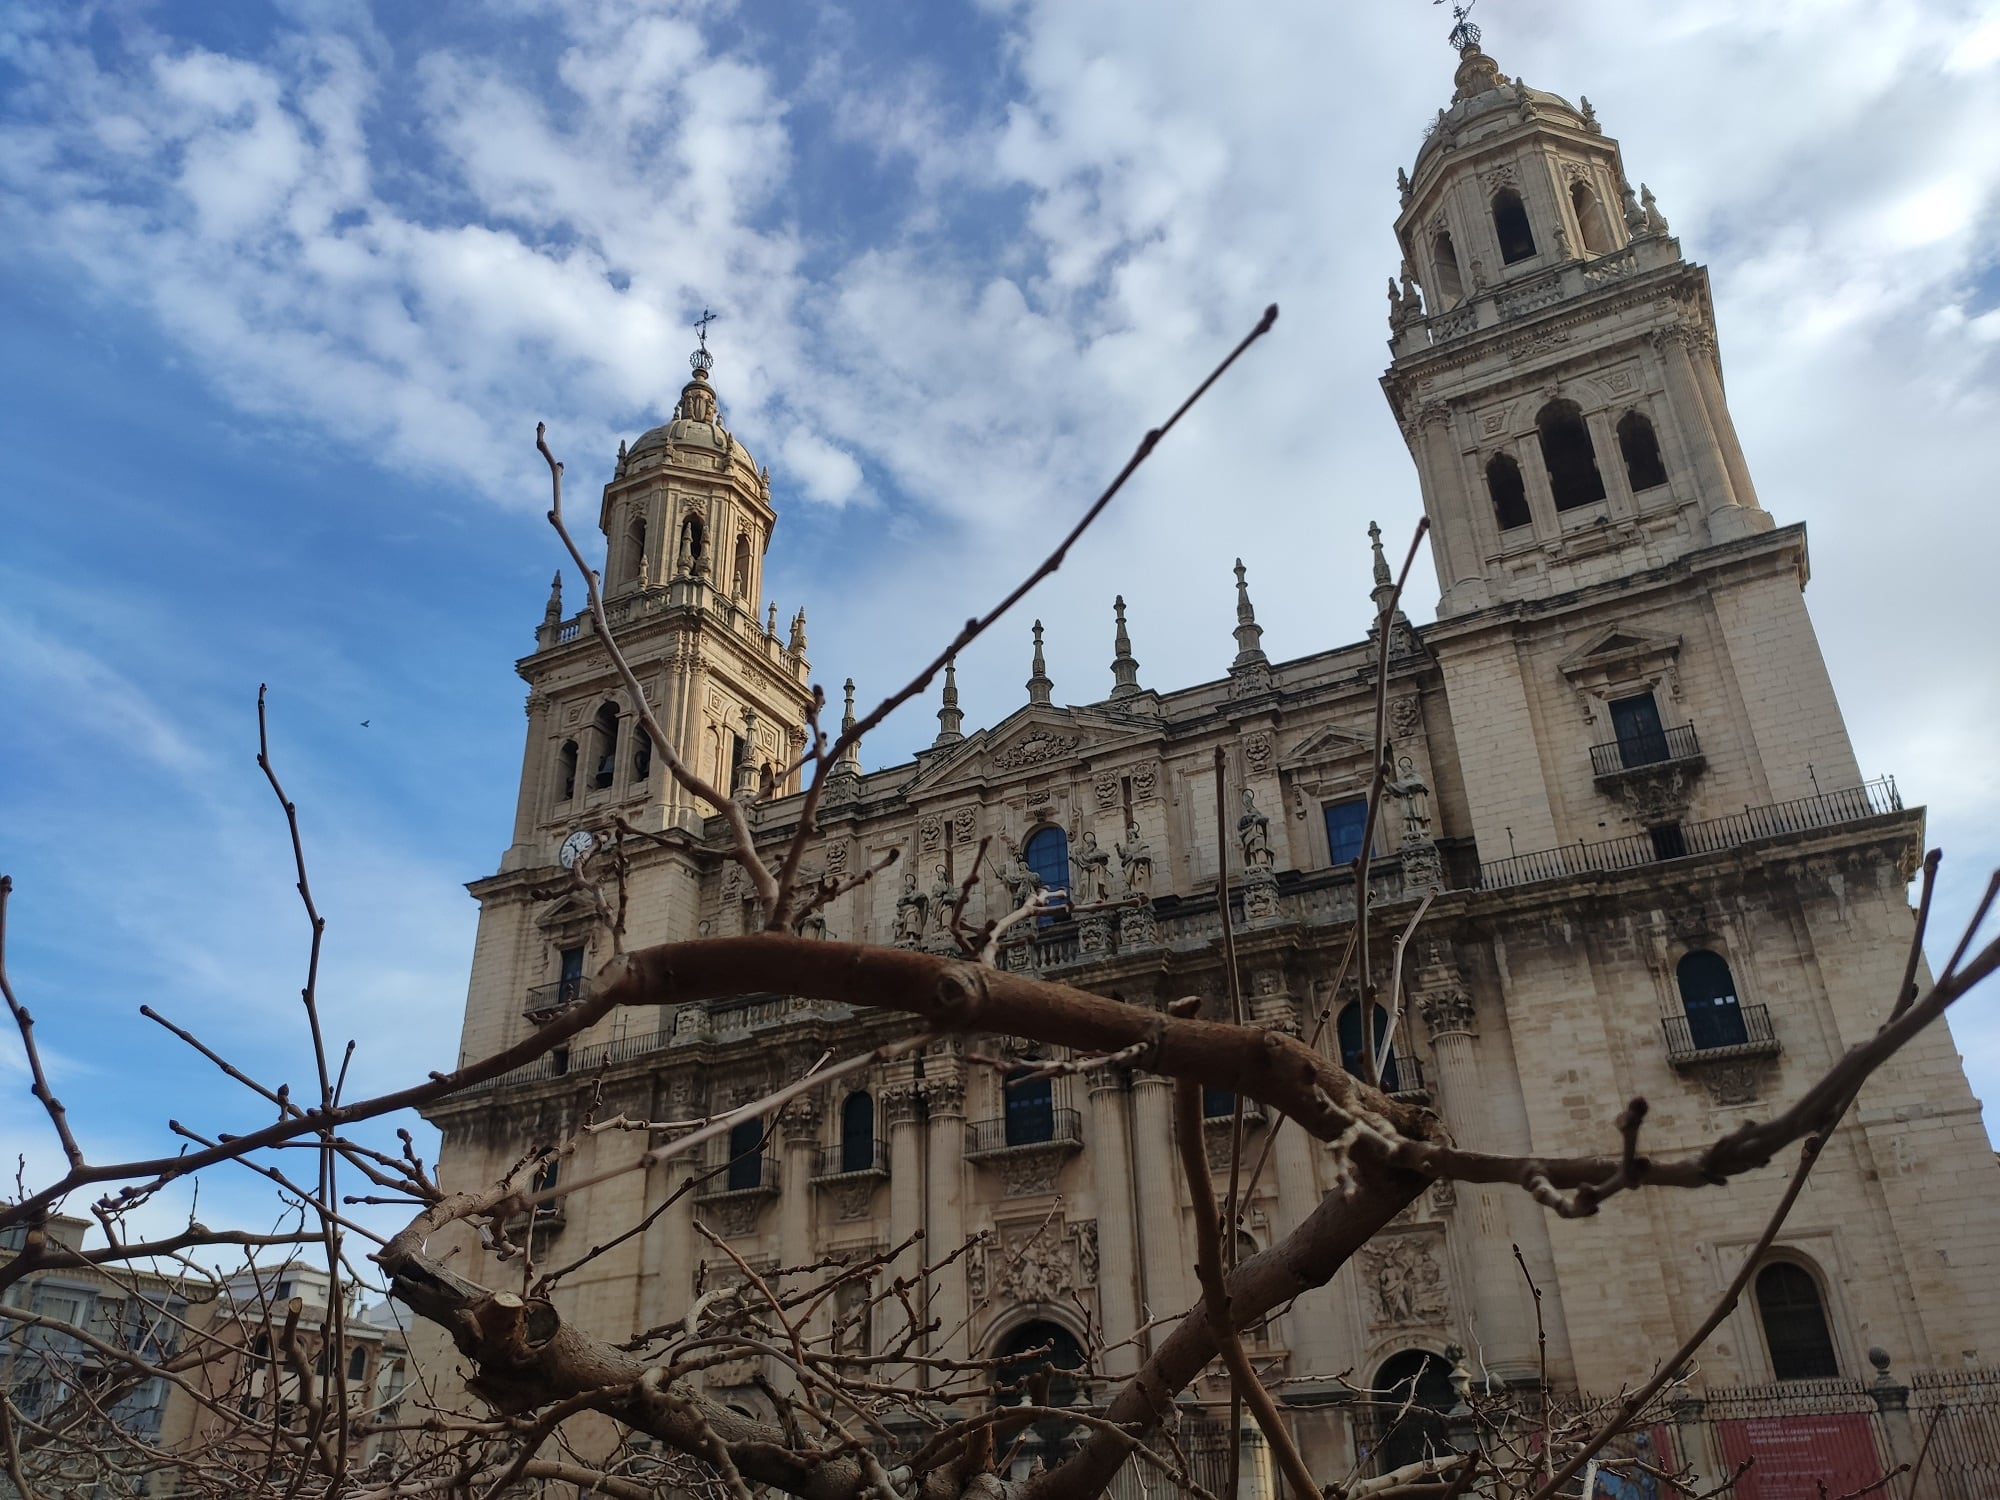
(1623, 785)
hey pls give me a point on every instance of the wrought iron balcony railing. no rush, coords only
(1719, 1032)
(1871, 799)
(1637, 752)
(1058, 1127)
(547, 1000)
(745, 1174)
(851, 1159)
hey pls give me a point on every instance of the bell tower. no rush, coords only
(1554, 369)
(687, 518)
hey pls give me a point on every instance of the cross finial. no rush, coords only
(701, 360)
(1464, 34)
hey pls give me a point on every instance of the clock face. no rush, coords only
(576, 846)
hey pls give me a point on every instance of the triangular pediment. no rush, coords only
(1324, 745)
(1619, 645)
(1036, 738)
(565, 911)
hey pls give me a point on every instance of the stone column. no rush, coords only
(945, 1231)
(1491, 1282)
(1117, 1267)
(1320, 1327)
(906, 1200)
(801, 1130)
(1708, 376)
(1164, 1257)
(1691, 414)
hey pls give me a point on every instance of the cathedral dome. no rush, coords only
(696, 424)
(1485, 100)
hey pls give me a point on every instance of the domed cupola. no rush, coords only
(696, 424)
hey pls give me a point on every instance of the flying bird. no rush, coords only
(364, 723)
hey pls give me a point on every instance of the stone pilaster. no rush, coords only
(1117, 1271)
(906, 1198)
(1481, 1243)
(945, 1208)
(1165, 1257)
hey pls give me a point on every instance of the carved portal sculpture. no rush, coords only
(944, 898)
(1022, 883)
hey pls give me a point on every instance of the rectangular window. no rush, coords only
(571, 978)
(1668, 841)
(1345, 824)
(1636, 723)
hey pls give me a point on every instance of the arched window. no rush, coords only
(1794, 1318)
(740, 577)
(1417, 1384)
(1591, 219)
(1448, 286)
(1708, 995)
(642, 754)
(1030, 1369)
(1047, 854)
(1640, 449)
(1030, 1110)
(635, 551)
(1510, 495)
(566, 771)
(857, 1132)
(746, 1162)
(357, 1365)
(1568, 455)
(1510, 222)
(607, 745)
(690, 541)
(1353, 1057)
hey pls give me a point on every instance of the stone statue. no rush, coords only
(1395, 305)
(1135, 859)
(1403, 186)
(1092, 871)
(944, 896)
(1415, 793)
(1254, 829)
(1022, 883)
(912, 907)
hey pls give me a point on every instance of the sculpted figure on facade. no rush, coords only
(1093, 866)
(1135, 860)
(912, 907)
(1022, 883)
(944, 899)
(1254, 830)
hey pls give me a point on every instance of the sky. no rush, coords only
(287, 286)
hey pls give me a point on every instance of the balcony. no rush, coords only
(748, 1176)
(844, 1163)
(1403, 1080)
(1672, 747)
(547, 1001)
(986, 1138)
(1721, 1035)
(1872, 799)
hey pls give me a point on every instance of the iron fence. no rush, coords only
(1722, 1031)
(1801, 815)
(1635, 752)
(1956, 1418)
(1058, 1126)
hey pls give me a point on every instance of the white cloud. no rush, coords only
(826, 473)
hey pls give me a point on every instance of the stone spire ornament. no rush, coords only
(552, 611)
(1249, 634)
(1124, 666)
(771, 622)
(796, 646)
(849, 763)
(1385, 582)
(1039, 685)
(619, 472)
(950, 720)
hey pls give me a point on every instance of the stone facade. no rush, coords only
(1622, 777)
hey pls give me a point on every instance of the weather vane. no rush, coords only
(1464, 34)
(702, 360)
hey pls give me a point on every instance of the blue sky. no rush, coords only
(288, 286)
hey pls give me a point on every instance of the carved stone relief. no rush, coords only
(1106, 789)
(852, 1200)
(930, 833)
(1034, 1262)
(963, 822)
(1257, 752)
(1406, 1282)
(1144, 782)
(1405, 715)
(1039, 746)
